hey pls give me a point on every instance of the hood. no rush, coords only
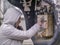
(12, 15)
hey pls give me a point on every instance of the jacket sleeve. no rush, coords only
(13, 33)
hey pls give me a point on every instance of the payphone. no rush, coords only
(35, 10)
(45, 13)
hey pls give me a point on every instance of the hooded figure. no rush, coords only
(9, 34)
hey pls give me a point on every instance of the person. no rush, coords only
(9, 32)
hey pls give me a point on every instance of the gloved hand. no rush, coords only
(42, 22)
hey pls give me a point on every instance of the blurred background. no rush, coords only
(4, 5)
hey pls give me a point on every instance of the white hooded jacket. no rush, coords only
(9, 35)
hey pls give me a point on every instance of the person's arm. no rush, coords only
(13, 33)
